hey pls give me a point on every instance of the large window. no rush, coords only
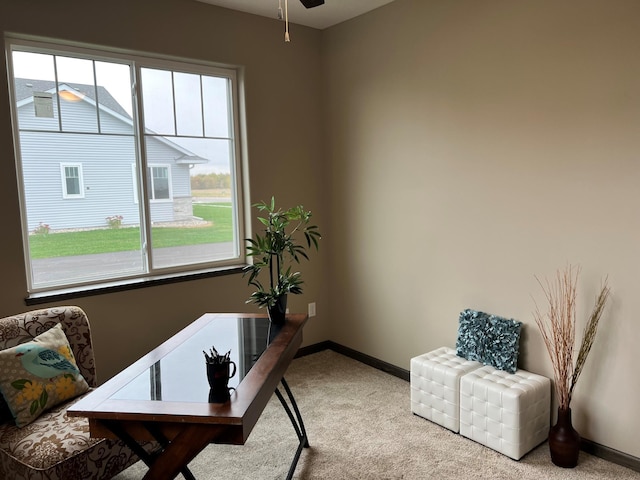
(83, 118)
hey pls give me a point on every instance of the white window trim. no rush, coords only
(161, 200)
(134, 178)
(63, 177)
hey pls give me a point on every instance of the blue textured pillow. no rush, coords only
(489, 339)
(470, 343)
(502, 343)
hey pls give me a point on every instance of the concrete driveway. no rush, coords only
(107, 265)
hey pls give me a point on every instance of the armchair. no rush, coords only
(54, 446)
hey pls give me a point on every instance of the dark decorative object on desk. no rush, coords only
(275, 249)
(219, 371)
(558, 329)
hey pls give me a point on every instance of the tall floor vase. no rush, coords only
(564, 441)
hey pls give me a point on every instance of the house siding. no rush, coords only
(158, 153)
(101, 157)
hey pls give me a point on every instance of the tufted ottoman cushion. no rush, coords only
(435, 386)
(506, 412)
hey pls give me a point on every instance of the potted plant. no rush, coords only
(274, 249)
(558, 328)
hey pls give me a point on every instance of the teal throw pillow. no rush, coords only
(489, 339)
(502, 343)
(470, 343)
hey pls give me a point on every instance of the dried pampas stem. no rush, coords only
(589, 334)
(557, 327)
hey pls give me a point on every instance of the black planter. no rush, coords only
(564, 441)
(278, 311)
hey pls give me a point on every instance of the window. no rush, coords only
(158, 183)
(71, 180)
(128, 165)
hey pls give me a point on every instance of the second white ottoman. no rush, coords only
(435, 386)
(506, 412)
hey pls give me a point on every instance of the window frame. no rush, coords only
(63, 175)
(151, 192)
(238, 165)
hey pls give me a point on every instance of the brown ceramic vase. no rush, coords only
(564, 441)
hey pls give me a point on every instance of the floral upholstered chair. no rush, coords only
(37, 439)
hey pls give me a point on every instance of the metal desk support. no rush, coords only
(297, 423)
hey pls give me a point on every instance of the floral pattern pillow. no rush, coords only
(38, 375)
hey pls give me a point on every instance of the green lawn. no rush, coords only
(123, 239)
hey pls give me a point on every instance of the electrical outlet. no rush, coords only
(312, 309)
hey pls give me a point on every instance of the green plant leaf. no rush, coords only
(19, 384)
(275, 247)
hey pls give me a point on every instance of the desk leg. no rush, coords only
(122, 434)
(164, 442)
(182, 449)
(297, 423)
(175, 455)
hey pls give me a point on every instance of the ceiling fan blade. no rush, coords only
(312, 3)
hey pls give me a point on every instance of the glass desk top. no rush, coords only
(180, 376)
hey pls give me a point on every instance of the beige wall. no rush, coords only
(475, 144)
(282, 84)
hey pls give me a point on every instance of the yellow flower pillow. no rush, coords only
(38, 375)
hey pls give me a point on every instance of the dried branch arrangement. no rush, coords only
(558, 329)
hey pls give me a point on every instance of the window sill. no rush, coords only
(105, 288)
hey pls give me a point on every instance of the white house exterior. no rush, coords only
(77, 180)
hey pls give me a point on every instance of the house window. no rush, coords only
(158, 181)
(71, 181)
(149, 150)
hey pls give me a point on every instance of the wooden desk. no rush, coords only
(164, 395)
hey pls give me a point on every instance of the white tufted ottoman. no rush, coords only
(504, 411)
(435, 386)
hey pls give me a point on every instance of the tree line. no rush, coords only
(211, 180)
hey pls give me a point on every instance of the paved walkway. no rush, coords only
(107, 265)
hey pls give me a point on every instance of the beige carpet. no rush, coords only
(360, 426)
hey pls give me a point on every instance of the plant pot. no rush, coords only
(278, 311)
(564, 441)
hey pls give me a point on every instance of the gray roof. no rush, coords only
(25, 87)
(190, 160)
